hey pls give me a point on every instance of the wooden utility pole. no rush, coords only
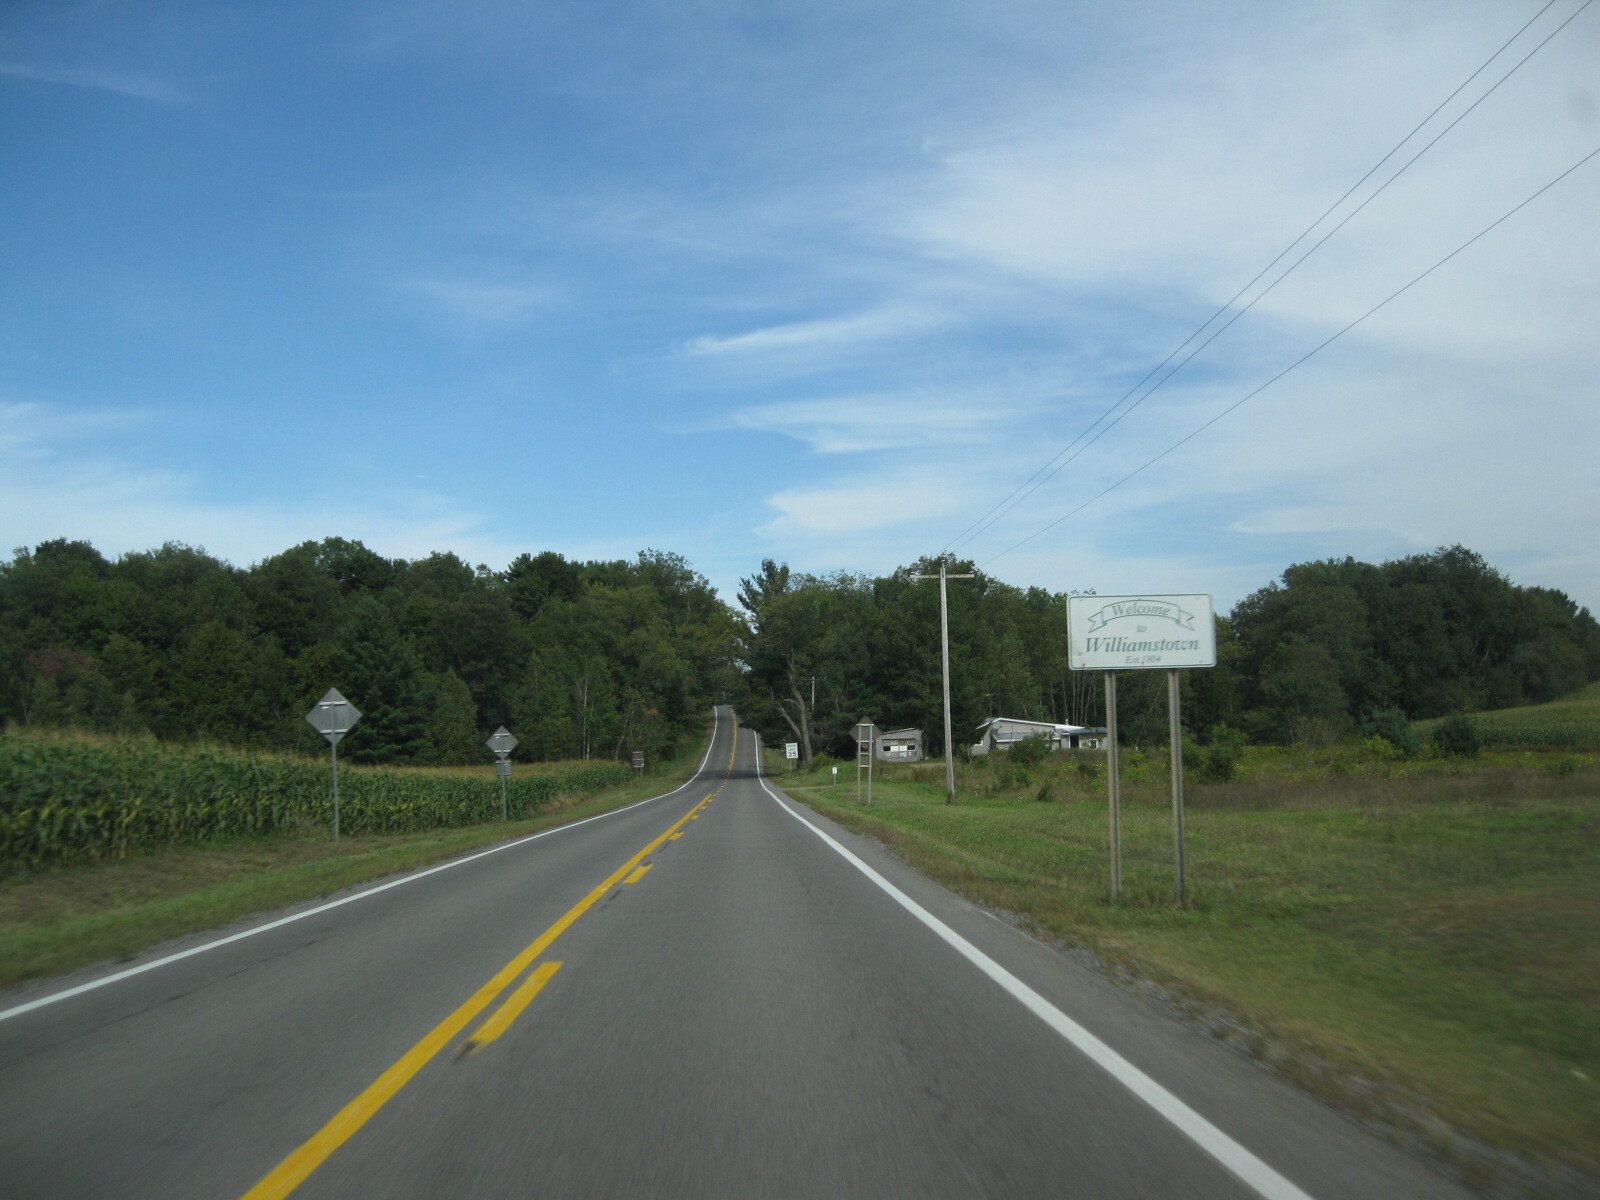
(944, 648)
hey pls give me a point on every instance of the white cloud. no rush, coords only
(885, 421)
(60, 476)
(1463, 412)
(479, 304)
(863, 506)
(144, 87)
(820, 336)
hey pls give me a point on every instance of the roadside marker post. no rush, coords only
(1142, 633)
(638, 763)
(866, 734)
(333, 716)
(502, 741)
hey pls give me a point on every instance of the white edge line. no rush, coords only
(410, 877)
(1261, 1178)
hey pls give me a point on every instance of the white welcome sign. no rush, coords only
(1130, 633)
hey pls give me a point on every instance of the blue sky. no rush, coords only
(818, 282)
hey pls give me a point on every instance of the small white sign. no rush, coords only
(1131, 633)
(791, 749)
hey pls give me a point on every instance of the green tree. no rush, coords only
(383, 678)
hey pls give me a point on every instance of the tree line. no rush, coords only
(597, 659)
(1332, 647)
(579, 659)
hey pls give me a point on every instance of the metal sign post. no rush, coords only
(1142, 633)
(333, 716)
(1175, 746)
(1114, 784)
(791, 750)
(638, 763)
(866, 733)
(502, 741)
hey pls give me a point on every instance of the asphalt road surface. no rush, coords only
(749, 1002)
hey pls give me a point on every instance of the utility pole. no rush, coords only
(944, 648)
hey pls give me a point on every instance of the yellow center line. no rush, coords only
(294, 1170)
(500, 1020)
(639, 874)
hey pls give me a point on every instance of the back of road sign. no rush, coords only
(333, 716)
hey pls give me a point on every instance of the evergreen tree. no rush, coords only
(384, 680)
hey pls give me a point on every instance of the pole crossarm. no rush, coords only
(944, 652)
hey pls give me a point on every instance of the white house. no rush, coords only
(1001, 733)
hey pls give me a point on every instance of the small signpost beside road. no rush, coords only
(333, 716)
(866, 733)
(791, 750)
(502, 741)
(638, 763)
(1141, 633)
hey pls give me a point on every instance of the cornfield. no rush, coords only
(66, 800)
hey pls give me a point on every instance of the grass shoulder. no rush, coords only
(1418, 941)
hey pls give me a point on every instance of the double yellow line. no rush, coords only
(293, 1170)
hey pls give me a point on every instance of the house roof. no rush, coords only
(1042, 726)
(901, 733)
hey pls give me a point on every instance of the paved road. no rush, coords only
(749, 1003)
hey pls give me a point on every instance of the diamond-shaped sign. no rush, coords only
(502, 741)
(333, 716)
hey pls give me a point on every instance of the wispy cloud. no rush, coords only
(62, 475)
(145, 87)
(814, 337)
(880, 421)
(862, 507)
(478, 303)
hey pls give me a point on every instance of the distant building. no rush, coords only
(1001, 733)
(900, 745)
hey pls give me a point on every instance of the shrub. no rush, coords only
(1390, 725)
(1382, 747)
(1457, 737)
(1218, 761)
(1032, 750)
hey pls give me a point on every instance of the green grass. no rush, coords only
(1570, 722)
(59, 917)
(1432, 928)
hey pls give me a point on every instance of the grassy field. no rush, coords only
(1419, 941)
(57, 918)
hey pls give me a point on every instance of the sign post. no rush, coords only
(333, 716)
(791, 750)
(1142, 633)
(638, 763)
(866, 733)
(502, 741)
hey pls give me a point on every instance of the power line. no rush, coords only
(1297, 362)
(1056, 463)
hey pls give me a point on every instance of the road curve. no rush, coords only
(715, 993)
